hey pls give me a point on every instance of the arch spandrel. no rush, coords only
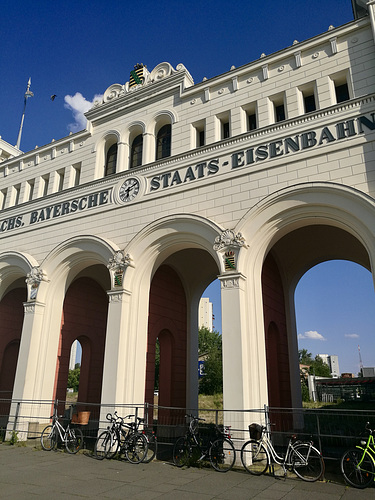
(308, 204)
(13, 266)
(71, 257)
(166, 236)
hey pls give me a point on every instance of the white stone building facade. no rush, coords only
(111, 235)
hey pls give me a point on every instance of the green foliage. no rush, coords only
(208, 340)
(13, 438)
(210, 346)
(73, 379)
(305, 391)
(317, 365)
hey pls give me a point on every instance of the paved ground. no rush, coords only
(28, 472)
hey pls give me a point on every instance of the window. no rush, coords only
(3, 196)
(17, 191)
(136, 151)
(163, 142)
(199, 136)
(30, 190)
(76, 174)
(342, 92)
(45, 182)
(251, 122)
(225, 130)
(111, 160)
(60, 180)
(309, 103)
(277, 108)
(280, 113)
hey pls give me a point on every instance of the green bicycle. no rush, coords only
(358, 463)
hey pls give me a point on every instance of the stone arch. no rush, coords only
(184, 245)
(297, 228)
(82, 257)
(14, 266)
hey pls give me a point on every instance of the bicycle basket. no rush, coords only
(255, 431)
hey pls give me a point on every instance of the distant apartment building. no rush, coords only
(333, 362)
(205, 314)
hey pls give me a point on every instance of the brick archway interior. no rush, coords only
(167, 321)
(84, 318)
(11, 314)
(278, 374)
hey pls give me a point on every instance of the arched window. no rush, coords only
(136, 151)
(163, 142)
(111, 160)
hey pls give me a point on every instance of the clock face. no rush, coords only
(129, 189)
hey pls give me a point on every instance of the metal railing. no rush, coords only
(332, 430)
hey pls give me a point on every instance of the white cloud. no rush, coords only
(351, 336)
(311, 336)
(79, 105)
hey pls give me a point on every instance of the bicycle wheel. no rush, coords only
(113, 445)
(48, 438)
(181, 452)
(102, 444)
(357, 472)
(307, 462)
(254, 457)
(152, 448)
(73, 440)
(136, 448)
(222, 454)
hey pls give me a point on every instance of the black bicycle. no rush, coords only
(123, 439)
(220, 451)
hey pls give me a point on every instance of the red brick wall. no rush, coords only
(84, 318)
(278, 375)
(167, 321)
(11, 321)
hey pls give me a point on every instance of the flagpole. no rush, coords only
(28, 93)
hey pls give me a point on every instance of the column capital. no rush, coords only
(117, 295)
(232, 280)
(31, 307)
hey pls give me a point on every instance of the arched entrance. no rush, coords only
(287, 261)
(84, 318)
(11, 315)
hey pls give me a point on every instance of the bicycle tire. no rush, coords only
(101, 445)
(312, 467)
(222, 455)
(48, 438)
(136, 448)
(181, 452)
(254, 457)
(151, 449)
(356, 476)
(113, 445)
(73, 440)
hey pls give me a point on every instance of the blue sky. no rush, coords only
(76, 50)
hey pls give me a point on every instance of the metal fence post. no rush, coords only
(16, 417)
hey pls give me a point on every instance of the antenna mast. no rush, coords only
(28, 94)
(360, 360)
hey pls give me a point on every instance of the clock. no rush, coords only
(129, 189)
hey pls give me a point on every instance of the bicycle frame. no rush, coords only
(284, 461)
(369, 450)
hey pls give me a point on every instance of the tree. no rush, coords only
(210, 348)
(73, 379)
(305, 357)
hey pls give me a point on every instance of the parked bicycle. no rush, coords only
(358, 463)
(123, 439)
(258, 455)
(54, 433)
(220, 452)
